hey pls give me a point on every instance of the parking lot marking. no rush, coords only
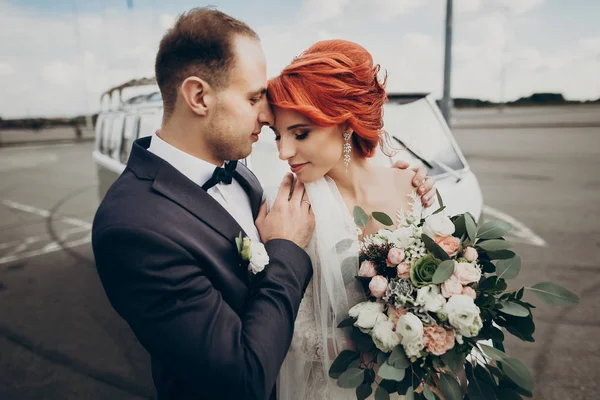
(520, 232)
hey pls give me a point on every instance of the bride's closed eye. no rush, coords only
(299, 136)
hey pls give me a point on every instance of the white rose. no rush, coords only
(431, 298)
(410, 328)
(438, 225)
(413, 349)
(367, 314)
(384, 336)
(463, 315)
(402, 237)
(259, 257)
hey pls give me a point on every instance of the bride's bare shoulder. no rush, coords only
(400, 178)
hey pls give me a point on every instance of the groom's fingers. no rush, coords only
(284, 189)
(298, 192)
(262, 213)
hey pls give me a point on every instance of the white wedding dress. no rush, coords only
(317, 341)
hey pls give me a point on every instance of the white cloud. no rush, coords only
(520, 6)
(6, 69)
(65, 76)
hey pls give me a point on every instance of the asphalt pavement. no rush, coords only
(60, 339)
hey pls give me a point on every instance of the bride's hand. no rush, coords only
(424, 183)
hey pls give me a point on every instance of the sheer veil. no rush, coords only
(333, 250)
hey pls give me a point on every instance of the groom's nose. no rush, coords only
(265, 115)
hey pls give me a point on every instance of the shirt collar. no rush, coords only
(195, 169)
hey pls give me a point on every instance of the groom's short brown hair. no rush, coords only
(199, 44)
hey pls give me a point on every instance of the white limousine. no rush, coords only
(414, 122)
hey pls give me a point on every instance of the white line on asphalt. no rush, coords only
(520, 231)
(45, 213)
(49, 248)
(39, 146)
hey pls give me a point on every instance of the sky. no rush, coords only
(57, 57)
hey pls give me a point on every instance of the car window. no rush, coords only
(116, 132)
(149, 123)
(130, 133)
(418, 127)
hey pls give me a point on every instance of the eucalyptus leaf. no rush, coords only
(443, 272)
(410, 394)
(362, 341)
(387, 371)
(459, 226)
(341, 363)
(439, 198)
(510, 308)
(492, 352)
(434, 248)
(509, 394)
(360, 217)
(478, 389)
(454, 359)
(450, 388)
(470, 226)
(500, 254)
(428, 393)
(495, 245)
(382, 218)
(381, 393)
(398, 358)
(382, 357)
(493, 230)
(517, 372)
(363, 391)
(347, 322)
(352, 378)
(343, 245)
(439, 210)
(554, 294)
(239, 242)
(508, 269)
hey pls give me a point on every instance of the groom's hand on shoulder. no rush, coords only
(290, 217)
(423, 183)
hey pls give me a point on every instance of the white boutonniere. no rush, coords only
(254, 253)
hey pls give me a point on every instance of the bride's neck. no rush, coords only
(352, 183)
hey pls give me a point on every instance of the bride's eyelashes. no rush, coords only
(299, 136)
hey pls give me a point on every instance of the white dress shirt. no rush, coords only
(232, 197)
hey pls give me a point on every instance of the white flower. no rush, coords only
(384, 337)
(410, 328)
(413, 349)
(431, 298)
(259, 257)
(367, 313)
(463, 315)
(254, 253)
(438, 225)
(402, 237)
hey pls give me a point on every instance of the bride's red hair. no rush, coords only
(335, 82)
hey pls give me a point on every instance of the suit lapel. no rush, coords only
(174, 185)
(252, 187)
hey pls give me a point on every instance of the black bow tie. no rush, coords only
(221, 175)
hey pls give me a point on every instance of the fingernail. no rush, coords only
(421, 190)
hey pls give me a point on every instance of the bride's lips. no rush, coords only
(297, 167)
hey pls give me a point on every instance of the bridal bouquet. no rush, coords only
(437, 288)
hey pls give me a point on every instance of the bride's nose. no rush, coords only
(287, 148)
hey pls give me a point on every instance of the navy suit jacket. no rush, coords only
(166, 255)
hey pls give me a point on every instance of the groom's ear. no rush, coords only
(198, 95)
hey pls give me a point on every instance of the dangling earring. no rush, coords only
(347, 149)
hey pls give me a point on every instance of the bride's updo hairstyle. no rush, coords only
(331, 83)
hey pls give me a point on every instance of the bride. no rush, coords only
(328, 106)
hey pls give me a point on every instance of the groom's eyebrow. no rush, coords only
(260, 92)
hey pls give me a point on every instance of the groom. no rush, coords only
(164, 235)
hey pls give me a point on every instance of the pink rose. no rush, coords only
(377, 286)
(451, 287)
(394, 314)
(403, 270)
(367, 269)
(470, 254)
(395, 257)
(450, 244)
(467, 273)
(438, 340)
(468, 291)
